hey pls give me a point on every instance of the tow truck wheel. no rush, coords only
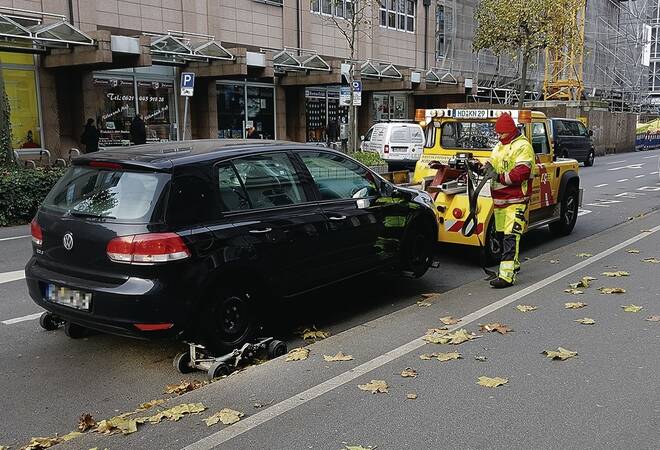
(568, 212)
(276, 348)
(492, 250)
(217, 370)
(182, 363)
(75, 331)
(417, 249)
(49, 322)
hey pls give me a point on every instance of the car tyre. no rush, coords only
(417, 249)
(217, 370)
(182, 363)
(276, 349)
(75, 331)
(492, 249)
(590, 159)
(568, 212)
(229, 319)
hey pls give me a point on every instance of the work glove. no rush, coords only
(489, 171)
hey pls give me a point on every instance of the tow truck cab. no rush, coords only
(556, 193)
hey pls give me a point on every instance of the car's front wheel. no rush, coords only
(228, 319)
(417, 248)
(568, 212)
(590, 159)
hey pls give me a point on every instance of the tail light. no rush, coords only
(386, 148)
(458, 213)
(37, 234)
(147, 248)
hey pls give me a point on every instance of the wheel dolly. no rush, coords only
(198, 358)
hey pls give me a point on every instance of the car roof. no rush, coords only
(166, 155)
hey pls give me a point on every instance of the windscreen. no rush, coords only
(107, 193)
(468, 135)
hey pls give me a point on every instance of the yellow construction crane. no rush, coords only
(564, 64)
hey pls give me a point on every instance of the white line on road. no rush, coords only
(654, 173)
(651, 157)
(21, 319)
(622, 180)
(583, 212)
(7, 277)
(15, 237)
(616, 162)
(601, 185)
(314, 392)
(639, 176)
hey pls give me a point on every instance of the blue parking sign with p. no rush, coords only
(187, 84)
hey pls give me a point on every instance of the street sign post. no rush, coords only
(187, 91)
(357, 93)
(344, 96)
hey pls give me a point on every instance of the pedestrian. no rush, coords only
(138, 130)
(252, 133)
(511, 169)
(90, 137)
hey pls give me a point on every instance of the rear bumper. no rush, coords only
(115, 308)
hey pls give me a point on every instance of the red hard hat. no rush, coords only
(505, 124)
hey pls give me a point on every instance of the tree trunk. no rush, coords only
(523, 80)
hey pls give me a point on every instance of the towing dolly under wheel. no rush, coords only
(50, 322)
(198, 358)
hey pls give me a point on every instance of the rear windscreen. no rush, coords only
(107, 193)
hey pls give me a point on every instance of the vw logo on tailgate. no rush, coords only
(67, 240)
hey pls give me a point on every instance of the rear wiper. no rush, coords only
(84, 214)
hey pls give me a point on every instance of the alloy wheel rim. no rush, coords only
(233, 320)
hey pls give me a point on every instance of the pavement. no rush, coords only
(607, 395)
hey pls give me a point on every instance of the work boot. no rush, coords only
(499, 283)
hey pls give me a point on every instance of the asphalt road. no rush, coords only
(50, 380)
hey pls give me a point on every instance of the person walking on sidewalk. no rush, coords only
(138, 131)
(90, 137)
(511, 168)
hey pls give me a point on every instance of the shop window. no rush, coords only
(398, 14)
(231, 111)
(21, 89)
(116, 110)
(324, 115)
(246, 111)
(261, 112)
(390, 107)
(157, 107)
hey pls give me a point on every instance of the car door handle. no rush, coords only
(262, 231)
(337, 217)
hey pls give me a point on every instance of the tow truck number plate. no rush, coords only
(471, 114)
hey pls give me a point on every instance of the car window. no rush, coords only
(337, 177)
(582, 130)
(400, 135)
(270, 180)
(560, 128)
(539, 138)
(232, 195)
(367, 137)
(191, 200)
(417, 135)
(572, 128)
(468, 135)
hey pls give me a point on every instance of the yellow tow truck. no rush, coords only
(453, 134)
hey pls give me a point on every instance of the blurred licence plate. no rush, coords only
(68, 297)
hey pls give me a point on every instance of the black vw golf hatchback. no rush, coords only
(197, 239)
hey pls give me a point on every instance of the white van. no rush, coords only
(400, 144)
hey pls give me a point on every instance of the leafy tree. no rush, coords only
(523, 27)
(6, 150)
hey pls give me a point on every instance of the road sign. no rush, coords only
(344, 96)
(187, 84)
(357, 93)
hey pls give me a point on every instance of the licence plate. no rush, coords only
(68, 297)
(400, 149)
(470, 114)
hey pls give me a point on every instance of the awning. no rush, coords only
(34, 31)
(180, 48)
(379, 69)
(440, 76)
(299, 59)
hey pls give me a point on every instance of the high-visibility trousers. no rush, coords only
(510, 223)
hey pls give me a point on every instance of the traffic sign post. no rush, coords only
(357, 93)
(187, 91)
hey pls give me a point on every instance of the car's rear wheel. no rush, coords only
(590, 159)
(417, 248)
(228, 319)
(568, 212)
(492, 249)
(75, 331)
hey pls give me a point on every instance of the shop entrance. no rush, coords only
(324, 116)
(246, 110)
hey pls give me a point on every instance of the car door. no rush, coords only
(357, 213)
(264, 201)
(583, 142)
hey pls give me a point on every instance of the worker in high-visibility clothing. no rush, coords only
(511, 169)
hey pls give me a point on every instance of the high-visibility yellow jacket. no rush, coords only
(514, 164)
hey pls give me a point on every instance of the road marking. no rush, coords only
(15, 237)
(650, 157)
(622, 180)
(616, 162)
(654, 173)
(314, 392)
(7, 277)
(629, 166)
(601, 185)
(629, 194)
(640, 176)
(649, 188)
(21, 319)
(583, 212)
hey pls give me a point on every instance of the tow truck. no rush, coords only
(454, 135)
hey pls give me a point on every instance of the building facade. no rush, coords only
(270, 68)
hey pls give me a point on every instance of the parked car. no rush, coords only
(573, 140)
(198, 239)
(400, 144)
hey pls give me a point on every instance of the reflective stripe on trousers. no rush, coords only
(509, 225)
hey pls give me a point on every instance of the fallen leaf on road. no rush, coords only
(338, 357)
(584, 255)
(480, 358)
(226, 416)
(183, 387)
(632, 308)
(448, 356)
(632, 250)
(150, 404)
(375, 387)
(651, 260)
(409, 372)
(583, 283)
(492, 382)
(173, 414)
(645, 231)
(118, 423)
(575, 305)
(573, 291)
(357, 447)
(86, 422)
(586, 321)
(423, 304)
(495, 326)
(526, 308)
(614, 290)
(436, 336)
(561, 354)
(449, 320)
(618, 273)
(411, 396)
(314, 334)
(653, 318)
(297, 354)
(460, 336)
(430, 295)
(37, 443)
